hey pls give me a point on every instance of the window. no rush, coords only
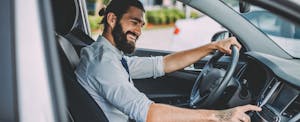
(171, 26)
(176, 28)
(283, 32)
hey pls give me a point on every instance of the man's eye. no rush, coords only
(135, 22)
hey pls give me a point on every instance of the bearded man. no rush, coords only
(106, 73)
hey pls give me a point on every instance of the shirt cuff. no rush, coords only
(145, 112)
(159, 66)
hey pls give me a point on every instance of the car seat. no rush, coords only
(81, 106)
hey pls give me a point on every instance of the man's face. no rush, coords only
(128, 29)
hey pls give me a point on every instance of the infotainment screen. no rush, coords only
(286, 96)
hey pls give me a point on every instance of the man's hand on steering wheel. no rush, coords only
(224, 45)
(211, 82)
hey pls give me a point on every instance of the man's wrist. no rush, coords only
(213, 46)
(208, 115)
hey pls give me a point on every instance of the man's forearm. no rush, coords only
(167, 113)
(179, 60)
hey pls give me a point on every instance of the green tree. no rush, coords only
(105, 2)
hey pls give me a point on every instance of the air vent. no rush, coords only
(268, 92)
(293, 109)
(221, 66)
(270, 86)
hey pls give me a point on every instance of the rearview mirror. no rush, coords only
(244, 6)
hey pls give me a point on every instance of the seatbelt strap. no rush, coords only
(125, 65)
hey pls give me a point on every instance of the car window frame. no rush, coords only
(8, 88)
(35, 41)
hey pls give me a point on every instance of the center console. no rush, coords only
(280, 102)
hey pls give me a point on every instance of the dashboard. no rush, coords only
(270, 82)
(275, 88)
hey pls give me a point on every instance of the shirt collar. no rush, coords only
(107, 44)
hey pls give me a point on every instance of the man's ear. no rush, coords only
(111, 19)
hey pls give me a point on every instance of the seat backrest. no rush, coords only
(81, 105)
(79, 39)
(68, 51)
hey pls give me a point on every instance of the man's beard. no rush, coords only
(121, 41)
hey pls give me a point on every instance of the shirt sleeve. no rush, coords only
(145, 67)
(114, 86)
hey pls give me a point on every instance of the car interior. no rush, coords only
(254, 81)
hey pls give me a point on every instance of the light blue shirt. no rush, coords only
(101, 73)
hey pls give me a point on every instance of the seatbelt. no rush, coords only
(125, 65)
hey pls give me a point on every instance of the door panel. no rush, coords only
(173, 88)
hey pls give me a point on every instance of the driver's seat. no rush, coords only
(81, 106)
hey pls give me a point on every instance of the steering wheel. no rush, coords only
(211, 82)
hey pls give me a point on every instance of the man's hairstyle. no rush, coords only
(119, 7)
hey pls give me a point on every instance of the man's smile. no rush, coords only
(132, 36)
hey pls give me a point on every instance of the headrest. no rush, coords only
(65, 13)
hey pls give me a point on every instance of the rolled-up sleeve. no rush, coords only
(145, 67)
(114, 86)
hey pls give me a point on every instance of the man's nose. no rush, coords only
(138, 30)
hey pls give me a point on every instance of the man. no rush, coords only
(107, 74)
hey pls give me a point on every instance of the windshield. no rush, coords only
(283, 32)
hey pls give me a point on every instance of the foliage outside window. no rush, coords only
(163, 16)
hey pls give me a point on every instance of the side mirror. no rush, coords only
(244, 6)
(220, 35)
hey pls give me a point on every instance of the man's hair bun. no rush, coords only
(102, 11)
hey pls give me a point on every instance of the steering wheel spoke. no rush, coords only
(211, 82)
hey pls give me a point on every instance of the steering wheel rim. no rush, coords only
(200, 99)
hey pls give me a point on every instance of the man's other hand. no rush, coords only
(236, 114)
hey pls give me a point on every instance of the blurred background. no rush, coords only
(169, 24)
